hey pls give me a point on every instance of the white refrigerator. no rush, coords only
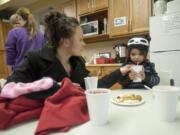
(165, 46)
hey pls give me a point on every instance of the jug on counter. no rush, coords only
(121, 52)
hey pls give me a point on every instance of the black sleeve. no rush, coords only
(152, 77)
(108, 80)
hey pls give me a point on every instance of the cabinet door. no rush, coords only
(94, 71)
(119, 17)
(140, 11)
(99, 4)
(69, 8)
(83, 6)
(3, 67)
(4, 29)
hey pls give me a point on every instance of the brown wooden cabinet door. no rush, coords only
(118, 9)
(84, 6)
(3, 66)
(140, 11)
(69, 8)
(4, 29)
(99, 4)
(95, 71)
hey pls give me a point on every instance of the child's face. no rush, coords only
(136, 56)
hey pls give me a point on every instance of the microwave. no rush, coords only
(90, 28)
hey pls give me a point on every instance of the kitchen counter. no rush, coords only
(104, 65)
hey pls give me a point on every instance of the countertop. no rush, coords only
(104, 65)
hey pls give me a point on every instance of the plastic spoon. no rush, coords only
(147, 87)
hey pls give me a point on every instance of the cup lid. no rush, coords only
(98, 91)
(165, 88)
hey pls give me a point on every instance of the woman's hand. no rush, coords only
(125, 69)
(75, 84)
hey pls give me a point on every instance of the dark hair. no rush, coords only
(59, 26)
(148, 37)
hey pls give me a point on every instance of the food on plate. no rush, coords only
(128, 98)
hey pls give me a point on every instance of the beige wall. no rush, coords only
(45, 4)
(101, 47)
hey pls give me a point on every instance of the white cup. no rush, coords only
(98, 105)
(91, 82)
(2, 82)
(137, 69)
(165, 102)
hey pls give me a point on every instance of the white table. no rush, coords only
(137, 120)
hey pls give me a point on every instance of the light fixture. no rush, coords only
(3, 1)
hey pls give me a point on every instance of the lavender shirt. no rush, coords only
(18, 43)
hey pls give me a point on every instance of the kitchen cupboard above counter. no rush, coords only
(124, 17)
(129, 16)
(90, 6)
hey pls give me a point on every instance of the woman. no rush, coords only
(22, 39)
(14, 20)
(60, 58)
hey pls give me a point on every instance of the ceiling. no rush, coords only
(14, 4)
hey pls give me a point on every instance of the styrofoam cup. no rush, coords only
(98, 105)
(165, 102)
(91, 82)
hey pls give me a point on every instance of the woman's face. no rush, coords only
(76, 43)
(136, 56)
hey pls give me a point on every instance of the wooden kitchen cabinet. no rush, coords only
(69, 8)
(101, 70)
(118, 8)
(140, 12)
(83, 6)
(4, 29)
(87, 6)
(132, 16)
(99, 4)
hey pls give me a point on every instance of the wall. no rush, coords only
(41, 7)
(100, 47)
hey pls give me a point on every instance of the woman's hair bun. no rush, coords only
(53, 17)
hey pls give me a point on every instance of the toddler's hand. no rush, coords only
(142, 74)
(133, 75)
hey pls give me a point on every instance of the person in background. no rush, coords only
(137, 55)
(14, 20)
(60, 58)
(22, 39)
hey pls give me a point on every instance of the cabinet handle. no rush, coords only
(128, 21)
(93, 3)
(130, 25)
(88, 5)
